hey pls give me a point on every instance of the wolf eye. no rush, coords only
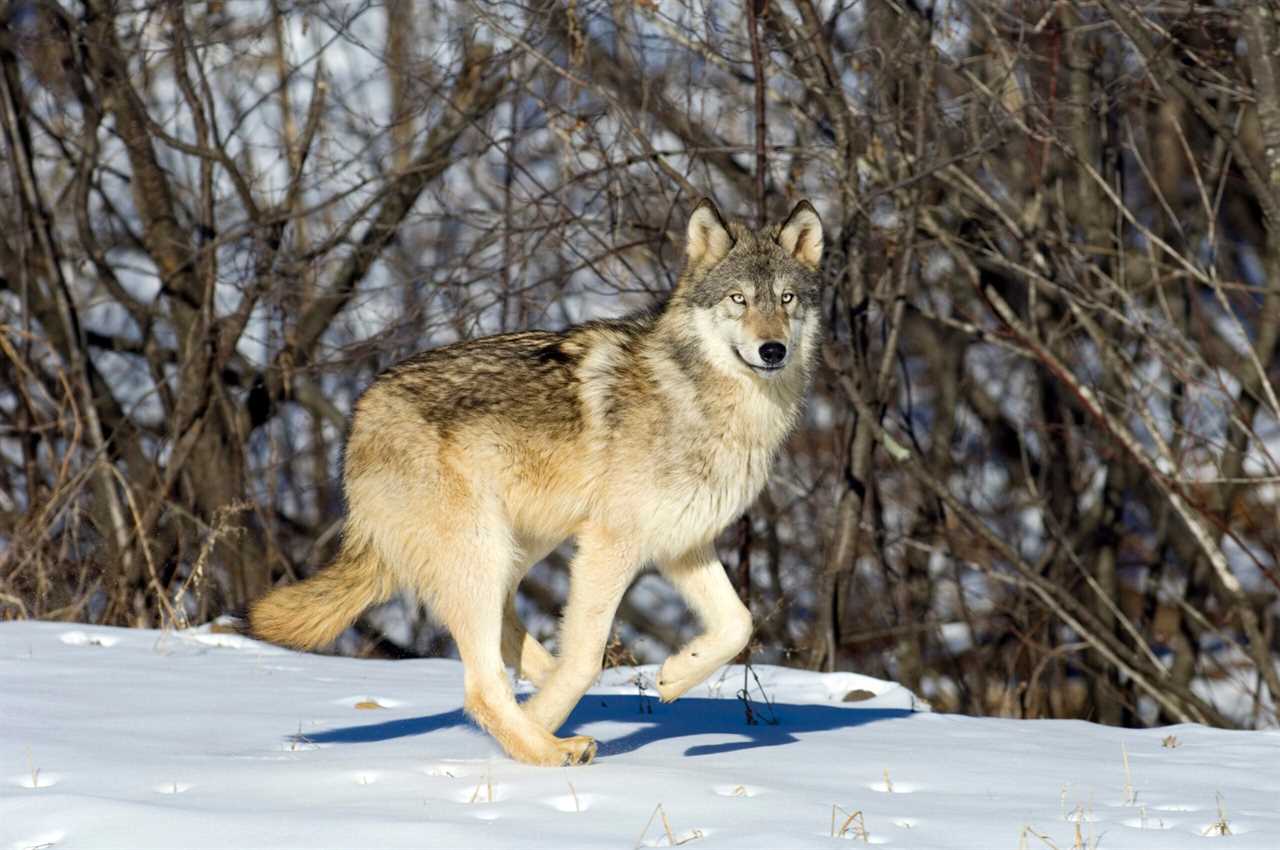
(788, 297)
(738, 298)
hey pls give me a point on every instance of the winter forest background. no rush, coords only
(1038, 473)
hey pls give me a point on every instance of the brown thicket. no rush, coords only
(1037, 473)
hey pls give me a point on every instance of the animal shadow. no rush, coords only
(643, 720)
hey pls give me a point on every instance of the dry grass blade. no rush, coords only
(1130, 793)
(299, 738)
(672, 841)
(1044, 839)
(486, 786)
(33, 770)
(853, 826)
(1220, 827)
(577, 806)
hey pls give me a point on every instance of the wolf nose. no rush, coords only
(773, 353)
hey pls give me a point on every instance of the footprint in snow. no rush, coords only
(858, 838)
(573, 803)
(1221, 829)
(36, 779)
(483, 791)
(454, 769)
(737, 790)
(172, 787)
(220, 640)
(39, 842)
(681, 838)
(78, 638)
(893, 786)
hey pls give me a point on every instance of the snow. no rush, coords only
(130, 738)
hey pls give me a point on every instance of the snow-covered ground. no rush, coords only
(118, 738)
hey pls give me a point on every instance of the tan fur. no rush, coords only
(801, 235)
(312, 613)
(640, 438)
(708, 238)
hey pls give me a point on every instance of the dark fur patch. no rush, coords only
(687, 354)
(555, 354)
(526, 380)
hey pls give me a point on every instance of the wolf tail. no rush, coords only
(313, 612)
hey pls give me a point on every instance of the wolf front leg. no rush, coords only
(598, 576)
(702, 581)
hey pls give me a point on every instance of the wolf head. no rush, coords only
(755, 294)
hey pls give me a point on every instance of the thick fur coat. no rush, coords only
(641, 438)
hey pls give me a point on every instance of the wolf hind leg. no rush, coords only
(469, 593)
(701, 580)
(522, 651)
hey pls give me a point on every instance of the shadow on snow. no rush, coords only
(688, 717)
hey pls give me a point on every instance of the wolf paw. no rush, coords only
(670, 690)
(580, 749)
(679, 674)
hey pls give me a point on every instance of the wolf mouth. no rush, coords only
(780, 366)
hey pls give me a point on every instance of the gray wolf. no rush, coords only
(641, 438)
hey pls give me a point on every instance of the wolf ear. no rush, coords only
(801, 235)
(709, 239)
